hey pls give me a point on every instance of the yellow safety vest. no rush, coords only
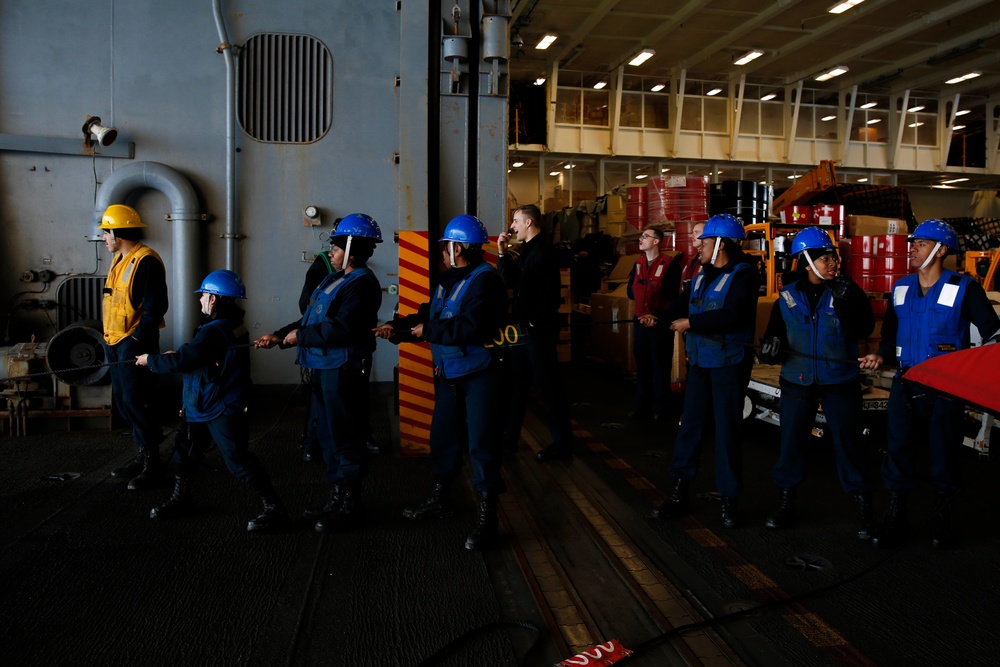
(120, 317)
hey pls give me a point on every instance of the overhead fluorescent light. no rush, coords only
(873, 121)
(540, 81)
(862, 180)
(546, 41)
(964, 77)
(642, 57)
(963, 112)
(842, 7)
(657, 88)
(868, 105)
(747, 57)
(828, 118)
(664, 170)
(600, 84)
(567, 166)
(768, 97)
(554, 173)
(639, 177)
(919, 107)
(954, 180)
(517, 164)
(714, 91)
(793, 177)
(829, 74)
(958, 127)
(917, 124)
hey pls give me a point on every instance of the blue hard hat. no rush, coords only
(812, 238)
(936, 230)
(223, 283)
(725, 225)
(466, 229)
(359, 225)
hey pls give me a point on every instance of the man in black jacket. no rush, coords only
(534, 279)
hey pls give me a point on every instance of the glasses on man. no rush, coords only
(647, 236)
(828, 259)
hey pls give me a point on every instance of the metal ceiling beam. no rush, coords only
(921, 57)
(732, 36)
(687, 11)
(913, 27)
(941, 74)
(592, 20)
(809, 39)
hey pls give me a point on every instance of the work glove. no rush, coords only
(839, 287)
(770, 351)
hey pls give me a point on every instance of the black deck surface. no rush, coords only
(87, 578)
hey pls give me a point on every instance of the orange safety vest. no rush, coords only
(120, 317)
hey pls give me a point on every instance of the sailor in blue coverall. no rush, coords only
(216, 368)
(334, 338)
(820, 314)
(929, 315)
(463, 317)
(720, 325)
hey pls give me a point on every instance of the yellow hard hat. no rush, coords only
(120, 216)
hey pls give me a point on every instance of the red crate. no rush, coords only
(864, 245)
(797, 215)
(892, 266)
(881, 283)
(893, 245)
(861, 265)
(828, 214)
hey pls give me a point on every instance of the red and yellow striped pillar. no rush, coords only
(416, 370)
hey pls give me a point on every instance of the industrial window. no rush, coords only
(286, 88)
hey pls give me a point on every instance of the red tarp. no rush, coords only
(971, 375)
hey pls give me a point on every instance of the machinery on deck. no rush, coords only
(63, 378)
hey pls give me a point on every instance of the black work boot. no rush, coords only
(784, 516)
(730, 513)
(677, 504)
(152, 472)
(894, 528)
(177, 505)
(435, 506)
(349, 514)
(330, 506)
(485, 533)
(941, 534)
(129, 470)
(273, 516)
(863, 512)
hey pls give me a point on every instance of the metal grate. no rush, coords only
(286, 88)
(80, 299)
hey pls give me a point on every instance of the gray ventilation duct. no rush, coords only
(184, 214)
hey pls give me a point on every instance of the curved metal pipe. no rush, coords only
(226, 49)
(183, 212)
